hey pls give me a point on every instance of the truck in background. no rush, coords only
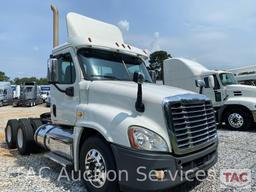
(44, 92)
(16, 91)
(235, 104)
(6, 96)
(107, 116)
(245, 75)
(29, 95)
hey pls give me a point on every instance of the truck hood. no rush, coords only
(124, 93)
(241, 90)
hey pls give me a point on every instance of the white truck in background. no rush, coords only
(16, 91)
(245, 75)
(6, 96)
(105, 119)
(235, 104)
(45, 92)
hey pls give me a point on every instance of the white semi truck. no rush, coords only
(235, 104)
(6, 96)
(105, 119)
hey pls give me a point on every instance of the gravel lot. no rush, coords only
(17, 173)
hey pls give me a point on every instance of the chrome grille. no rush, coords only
(191, 122)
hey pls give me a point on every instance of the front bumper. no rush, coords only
(5, 102)
(21, 103)
(139, 164)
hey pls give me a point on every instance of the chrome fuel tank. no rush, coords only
(56, 139)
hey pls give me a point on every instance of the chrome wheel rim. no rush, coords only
(235, 120)
(9, 134)
(20, 138)
(95, 168)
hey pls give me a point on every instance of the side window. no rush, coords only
(67, 72)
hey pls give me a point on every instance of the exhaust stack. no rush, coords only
(55, 26)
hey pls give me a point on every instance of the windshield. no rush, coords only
(227, 79)
(26, 89)
(107, 65)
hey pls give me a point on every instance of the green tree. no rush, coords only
(156, 60)
(3, 77)
(41, 81)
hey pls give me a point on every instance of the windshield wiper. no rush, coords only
(106, 76)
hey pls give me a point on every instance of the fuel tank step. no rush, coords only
(58, 159)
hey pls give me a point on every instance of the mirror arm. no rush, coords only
(139, 105)
(68, 91)
(201, 90)
(58, 88)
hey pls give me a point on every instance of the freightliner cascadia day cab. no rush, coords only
(6, 96)
(29, 95)
(235, 104)
(104, 120)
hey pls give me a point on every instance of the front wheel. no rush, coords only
(97, 165)
(238, 119)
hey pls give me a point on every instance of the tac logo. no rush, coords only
(235, 178)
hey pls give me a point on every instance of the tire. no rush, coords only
(237, 119)
(105, 158)
(11, 133)
(1, 104)
(25, 137)
(35, 123)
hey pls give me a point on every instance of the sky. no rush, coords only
(220, 34)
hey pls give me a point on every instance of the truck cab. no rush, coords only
(234, 103)
(6, 95)
(107, 117)
(29, 95)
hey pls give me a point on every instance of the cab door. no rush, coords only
(63, 104)
(215, 94)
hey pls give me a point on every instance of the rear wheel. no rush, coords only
(35, 123)
(25, 137)
(96, 163)
(238, 119)
(1, 103)
(11, 133)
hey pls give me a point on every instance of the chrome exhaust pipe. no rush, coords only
(55, 26)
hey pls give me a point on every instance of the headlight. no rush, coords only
(144, 139)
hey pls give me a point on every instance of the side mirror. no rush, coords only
(153, 75)
(138, 77)
(53, 71)
(211, 81)
(200, 83)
